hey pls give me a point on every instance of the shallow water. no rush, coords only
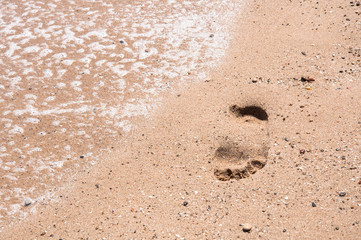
(74, 73)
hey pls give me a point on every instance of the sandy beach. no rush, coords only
(265, 146)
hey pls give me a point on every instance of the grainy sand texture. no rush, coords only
(75, 74)
(266, 144)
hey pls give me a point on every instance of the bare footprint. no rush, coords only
(244, 147)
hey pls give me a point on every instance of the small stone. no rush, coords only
(284, 230)
(27, 202)
(302, 151)
(287, 139)
(185, 203)
(307, 79)
(303, 53)
(212, 35)
(342, 194)
(247, 227)
(313, 204)
(81, 156)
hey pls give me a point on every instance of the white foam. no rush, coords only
(69, 36)
(32, 120)
(50, 98)
(12, 48)
(16, 130)
(60, 55)
(30, 96)
(45, 52)
(100, 33)
(48, 73)
(119, 70)
(31, 49)
(68, 62)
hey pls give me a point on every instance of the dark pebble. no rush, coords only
(247, 227)
(313, 204)
(185, 203)
(284, 230)
(302, 151)
(342, 194)
(81, 156)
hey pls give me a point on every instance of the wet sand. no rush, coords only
(74, 75)
(271, 139)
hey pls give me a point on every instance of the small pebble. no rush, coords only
(313, 204)
(185, 203)
(302, 151)
(247, 227)
(27, 202)
(287, 139)
(342, 194)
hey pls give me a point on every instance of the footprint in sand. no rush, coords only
(244, 145)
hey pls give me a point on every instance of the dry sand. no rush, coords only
(297, 151)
